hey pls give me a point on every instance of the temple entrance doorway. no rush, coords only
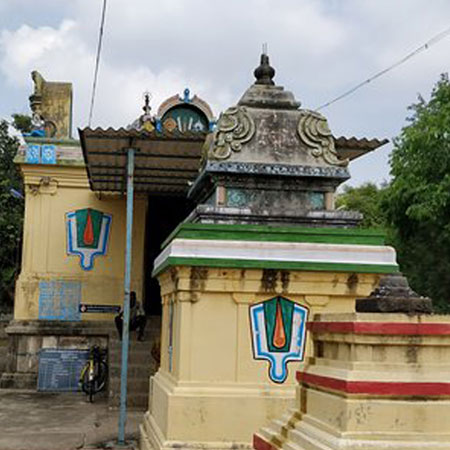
(164, 213)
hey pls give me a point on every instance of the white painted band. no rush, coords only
(278, 251)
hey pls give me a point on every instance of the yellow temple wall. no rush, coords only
(215, 391)
(51, 192)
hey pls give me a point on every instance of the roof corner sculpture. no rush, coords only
(268, 160)
(51, 106)
(234, 128)
(268, 126)
(145, 122)
(314, 131)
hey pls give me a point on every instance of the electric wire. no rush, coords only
(423, 47)
(97, 62)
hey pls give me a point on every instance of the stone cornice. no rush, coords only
(63, 176)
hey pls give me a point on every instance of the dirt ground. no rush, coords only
(31, 420)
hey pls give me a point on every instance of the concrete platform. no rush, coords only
(31, 420)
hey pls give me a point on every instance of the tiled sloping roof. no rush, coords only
(354, 147)
(166, 162)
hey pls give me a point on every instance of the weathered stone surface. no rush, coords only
(394, 295)
(230, 215)
(26, 338)
(51, 104)
(272, 159)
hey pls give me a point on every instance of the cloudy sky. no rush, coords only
(319, 48)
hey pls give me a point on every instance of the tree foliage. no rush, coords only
(414, 209)
(11, 216)
(22, 122)
(367, 199)
(418, 202)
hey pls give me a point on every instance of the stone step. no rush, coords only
(143, 352)
(141, 365)
(141, 360)
(132, 374)
(134, 362)
(116, 343)
(132, 352)
(144, 357)
(133, 402)
(140, 386)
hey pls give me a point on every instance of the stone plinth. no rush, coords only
(376, 381)
(211, 391)
(28, 338)
(263, 246)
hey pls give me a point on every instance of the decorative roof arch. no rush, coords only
(194, 111)
(176, 100)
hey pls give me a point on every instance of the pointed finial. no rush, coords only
(264, 73)
(186, 94)
(147, 108)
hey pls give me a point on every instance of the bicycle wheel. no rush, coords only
(94, 381)
(91, 391)
(84, 378)
(101, 375)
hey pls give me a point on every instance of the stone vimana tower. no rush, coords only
(263, 249)
(270, 162)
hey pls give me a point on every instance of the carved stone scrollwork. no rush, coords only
(234, 128)
(314, 132)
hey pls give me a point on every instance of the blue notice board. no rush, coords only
(59, 370)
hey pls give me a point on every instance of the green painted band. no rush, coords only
(265, 233)
(54, 141)
(263, 264)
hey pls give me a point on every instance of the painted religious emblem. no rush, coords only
(278, 330)
(87, 235)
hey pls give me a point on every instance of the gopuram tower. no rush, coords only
(263, 250)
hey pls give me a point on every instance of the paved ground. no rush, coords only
(30, 420)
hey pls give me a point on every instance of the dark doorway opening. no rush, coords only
(164, 214)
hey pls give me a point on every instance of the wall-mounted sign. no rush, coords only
(59, 370)
(59, 300)
(278, 329)
(87, 235)
(108, 309)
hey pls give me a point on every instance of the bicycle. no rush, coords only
(95, 373)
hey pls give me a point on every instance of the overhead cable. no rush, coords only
(423, 47)
(97, 61)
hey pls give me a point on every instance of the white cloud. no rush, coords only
(61, 54)
(319, 49)
(30, 47)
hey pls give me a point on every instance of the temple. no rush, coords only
(234, 247)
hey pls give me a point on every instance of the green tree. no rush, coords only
(417, 203)
(366, 199)
(22, 122)
(11, 216)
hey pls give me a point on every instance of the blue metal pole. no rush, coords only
(126, 304)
